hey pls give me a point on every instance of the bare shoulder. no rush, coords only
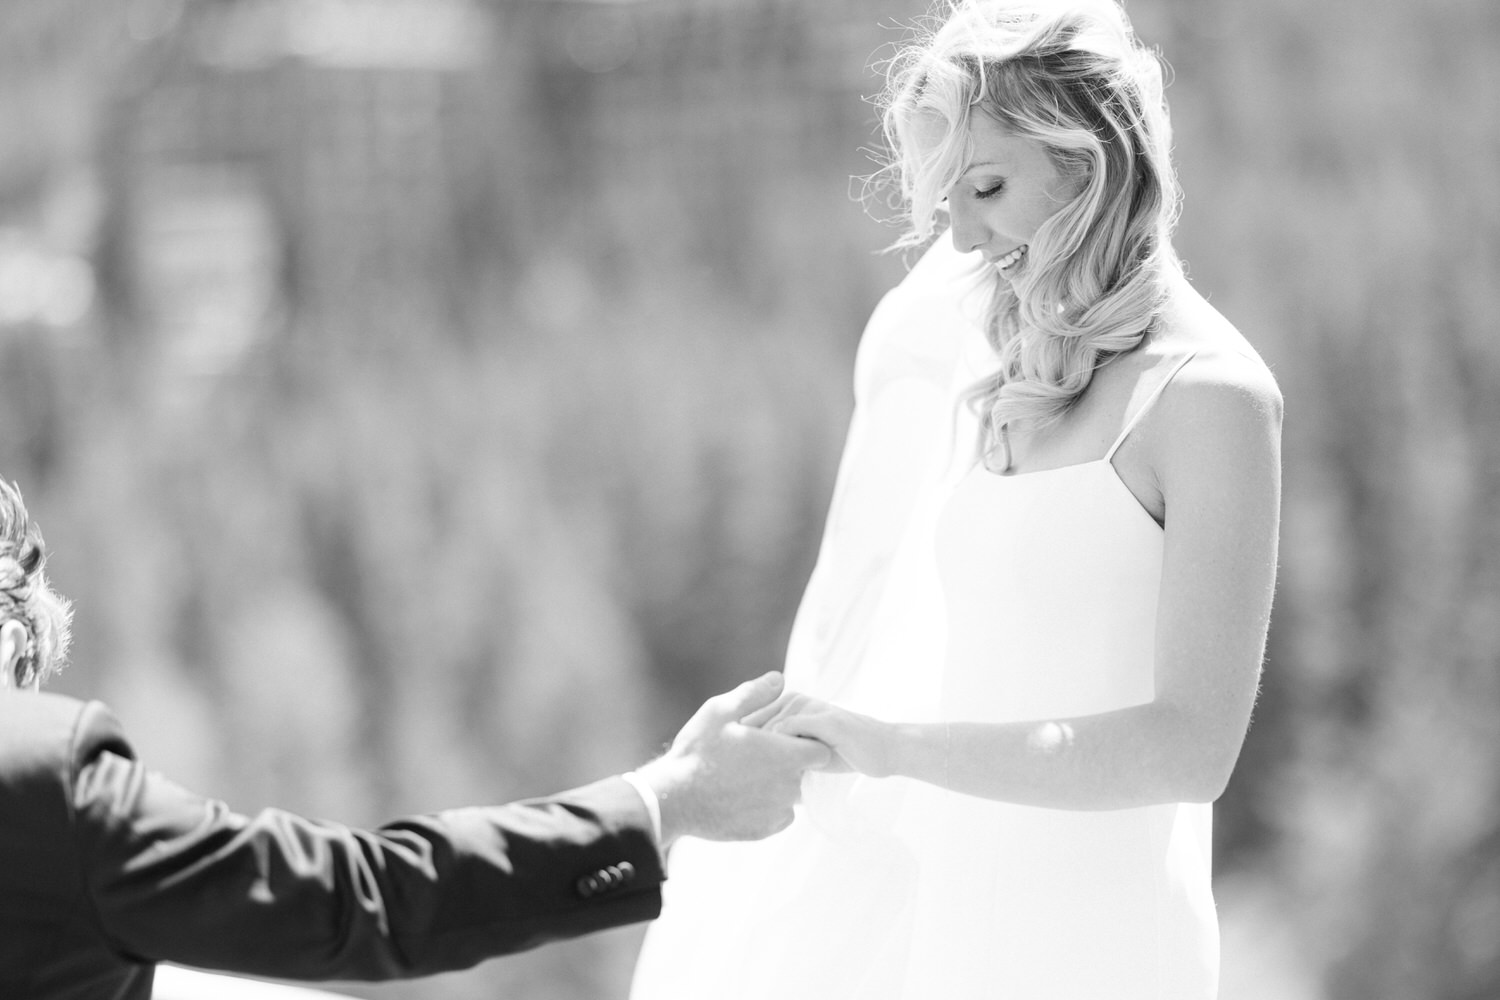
(1225, 399)
(1226, 384)
(1226, 370)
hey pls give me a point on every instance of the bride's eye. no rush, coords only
(991, 191)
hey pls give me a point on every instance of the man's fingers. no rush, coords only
(814, 754)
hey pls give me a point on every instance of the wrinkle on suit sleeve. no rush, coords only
(175, 876)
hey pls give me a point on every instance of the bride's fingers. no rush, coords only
(810, 726)
(758, 718)
(824, 729)
(781, 707)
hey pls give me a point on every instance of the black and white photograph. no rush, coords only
(749, 500)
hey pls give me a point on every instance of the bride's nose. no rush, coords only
(968, 233)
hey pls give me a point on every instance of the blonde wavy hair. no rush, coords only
(1070, 75)
(25, 594)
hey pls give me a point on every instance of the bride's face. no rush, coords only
(1007, 190)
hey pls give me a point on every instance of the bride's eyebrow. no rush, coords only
(982, 163)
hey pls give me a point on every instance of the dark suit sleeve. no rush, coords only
(177, 877)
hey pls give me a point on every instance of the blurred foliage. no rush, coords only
(431, 402)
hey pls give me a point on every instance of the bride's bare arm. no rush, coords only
(1214, 443)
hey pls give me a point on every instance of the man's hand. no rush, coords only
(858, 742)
(722, 780)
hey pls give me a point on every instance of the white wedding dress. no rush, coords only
(946, 593)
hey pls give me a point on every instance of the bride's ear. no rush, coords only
(13, 642)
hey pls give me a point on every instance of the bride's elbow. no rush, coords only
(1206, 776)
(1197, 749)
(1206, 789)
(1197, 764)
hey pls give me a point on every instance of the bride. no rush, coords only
(1035, 630)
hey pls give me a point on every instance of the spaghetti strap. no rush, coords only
(1146, 406)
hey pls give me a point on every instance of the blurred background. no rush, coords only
(431, 401)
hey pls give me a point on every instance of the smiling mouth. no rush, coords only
(1011, 259)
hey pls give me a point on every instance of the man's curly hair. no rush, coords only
(26, 596)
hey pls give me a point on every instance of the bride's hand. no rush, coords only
(859, 742)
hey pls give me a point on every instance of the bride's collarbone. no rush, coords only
(1085, 433)
(1054, 447)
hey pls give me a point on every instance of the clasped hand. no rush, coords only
(725, 780)
(734, 772)
(859, 742)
